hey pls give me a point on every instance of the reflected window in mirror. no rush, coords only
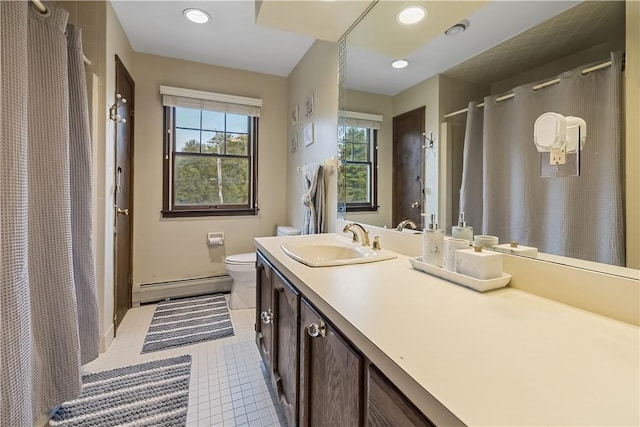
(358, 153)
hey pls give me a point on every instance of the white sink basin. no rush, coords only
(326, 253)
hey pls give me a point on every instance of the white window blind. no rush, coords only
(210, 101)
(362, 120)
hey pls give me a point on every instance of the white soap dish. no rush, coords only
(461, 279)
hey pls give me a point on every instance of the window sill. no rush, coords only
(188, 213)
(362, 208)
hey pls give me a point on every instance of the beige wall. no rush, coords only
(425, 94)
(175, 248)
(316, 72)
(363, 102)
(632, 83)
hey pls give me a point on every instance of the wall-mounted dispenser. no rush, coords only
(215, 238)
(560, 140)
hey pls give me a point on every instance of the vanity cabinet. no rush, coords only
(318, 376)
(285, 374)
(330, 376)
(277, 317)
(387, 407)
(264, 313)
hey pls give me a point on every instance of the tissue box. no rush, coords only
(517, 250)
(481, 265)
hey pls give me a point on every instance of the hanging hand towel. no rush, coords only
(313, 199)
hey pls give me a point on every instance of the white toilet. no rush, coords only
(242, 269)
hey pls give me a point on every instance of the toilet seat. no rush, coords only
(241, 259)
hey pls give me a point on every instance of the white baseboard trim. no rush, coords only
(106, 339)
(151, 292)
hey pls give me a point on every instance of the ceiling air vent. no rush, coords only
(458, 28)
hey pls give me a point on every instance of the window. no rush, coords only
(210, 157)
(358, 153)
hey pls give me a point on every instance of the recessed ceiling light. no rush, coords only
(196, 15)
(458, 28)
(399, 63)
(411, 15)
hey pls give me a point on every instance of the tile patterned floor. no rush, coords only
(228, 380)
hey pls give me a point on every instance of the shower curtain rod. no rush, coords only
(536, 87)
(43, 9)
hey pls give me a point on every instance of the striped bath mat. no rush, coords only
(150, 394)
(188, 321)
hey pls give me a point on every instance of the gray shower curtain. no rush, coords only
(44, 228)
(578, 216)
(471, 188)
(84, 271)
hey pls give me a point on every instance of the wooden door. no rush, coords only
(408, 166)
(286, 307)
(123, 202)
(331, 373)
(264, 312)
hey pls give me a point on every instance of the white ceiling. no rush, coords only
(369, 71)
(233, 38)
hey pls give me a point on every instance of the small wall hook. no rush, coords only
(113, 110)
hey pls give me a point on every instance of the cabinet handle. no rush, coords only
(266, 316)
(315, 329)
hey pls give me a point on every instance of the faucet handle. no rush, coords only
(376, 243)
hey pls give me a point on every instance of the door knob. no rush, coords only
(122, 211)
(317, 329)
(415, 205)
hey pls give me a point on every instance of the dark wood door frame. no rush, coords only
(408, 140)
(122, 76)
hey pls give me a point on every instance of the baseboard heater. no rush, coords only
(158, 291)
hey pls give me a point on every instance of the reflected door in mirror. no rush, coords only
(408, 171)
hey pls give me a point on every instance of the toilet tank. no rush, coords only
(287, 230)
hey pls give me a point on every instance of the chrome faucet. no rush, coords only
(363, 233)
(407, 223)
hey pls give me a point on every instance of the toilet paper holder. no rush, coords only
(215, 238)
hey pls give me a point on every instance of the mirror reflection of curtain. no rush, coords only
(579, 216)
(471, 189)
(46, 257)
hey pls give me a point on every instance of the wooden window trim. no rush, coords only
(186, 211)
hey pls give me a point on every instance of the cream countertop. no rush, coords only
(500, 358)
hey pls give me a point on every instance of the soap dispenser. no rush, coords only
(461, 231)
(432, 243)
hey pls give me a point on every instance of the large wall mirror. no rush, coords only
(408, 137)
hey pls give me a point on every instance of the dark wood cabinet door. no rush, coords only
(284, 357)
(387, 407)
(331, 374)
(264, 311)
